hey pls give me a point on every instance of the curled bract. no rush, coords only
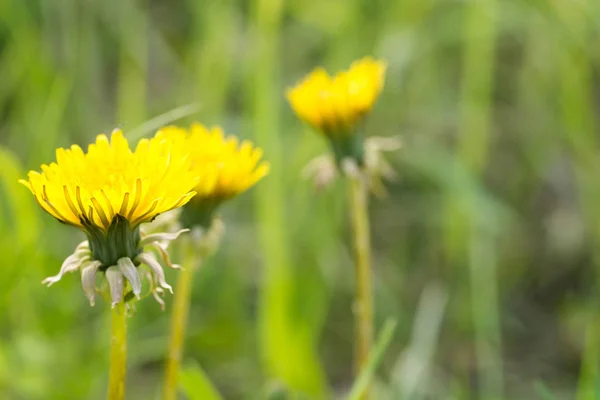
(125, 276)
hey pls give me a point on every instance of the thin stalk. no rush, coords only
(485, 311)
(477, 84)
(576, 98)
(133, 66)
(213, 40)
(363, 306)
(280, 329)
(179, 318)
(463, 247)
(118, 352)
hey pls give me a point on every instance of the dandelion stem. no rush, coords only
(363, 305)
(179, 318)
(118, 353)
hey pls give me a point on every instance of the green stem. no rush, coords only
(118, 353)
(179, 318)
(465, 243)
(477, 84)
(363, 306)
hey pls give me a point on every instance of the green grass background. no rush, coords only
(485, 250)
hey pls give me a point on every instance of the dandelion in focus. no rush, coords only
(108, 193)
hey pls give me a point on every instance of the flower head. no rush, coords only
(88, 190)
(335, 104)
(108, 192)
(224, 166)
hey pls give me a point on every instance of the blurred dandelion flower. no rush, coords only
(108, 193)
(335, 104)
(224, 167)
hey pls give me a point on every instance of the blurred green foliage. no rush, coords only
(485, 249)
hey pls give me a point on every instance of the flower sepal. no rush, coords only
(118, 242)
(122, 276)
(326, 168)
(199, 213)
(349, 146)
(206, 241)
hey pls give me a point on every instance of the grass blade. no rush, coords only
(196, 385)
(157, 122)
(366, 375)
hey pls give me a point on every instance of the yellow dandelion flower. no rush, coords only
(89, 190)
(224, 166)
(108, 192)
(335, 104)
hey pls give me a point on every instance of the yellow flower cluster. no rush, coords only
(335, 104)
(90, 189)
(111, 190)
(163, 173)
(224, 166)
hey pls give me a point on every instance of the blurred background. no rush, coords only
(485, 249)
